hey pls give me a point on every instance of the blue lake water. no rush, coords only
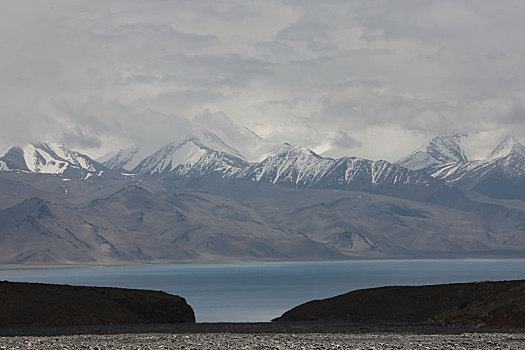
(260, 291)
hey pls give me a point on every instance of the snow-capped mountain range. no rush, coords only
(441, 159)
(193, 157)
(288, 165)
(444, 157)
(300, 167)
(501, 173)
(200, 199)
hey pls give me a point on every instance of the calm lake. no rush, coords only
(260, 291)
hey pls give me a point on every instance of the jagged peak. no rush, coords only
(442, 145)
(125, 159)
(508, 145)
(120, 153)
(205, 140)
(56, 148)
(49, 145)
(133, 188)
(436, 151)
(34, 200)
(353, 159)
(12, 148)
(249, 131)
(293, 150)
(31, 204)
(209, 140)
(126, 190)
(49, 158)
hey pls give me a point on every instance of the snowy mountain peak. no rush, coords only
(292, 150)
(49, 158)
(498, 174)
(437, 151)
(509, 145)
(126, 158)
(208, 139)
(130, 158)
(288, 164)
(194, 155)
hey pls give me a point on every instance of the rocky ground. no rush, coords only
(270, 341)
(263, 336)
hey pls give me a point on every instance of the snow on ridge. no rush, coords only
(444, 158)
(42, 158)
(212, 141)
(182, 157)
(436, 151)
(58, 151)
(126, 158)
(286, 148)
(379, 169)
(46, 158)
(509, 145)
(289, 164)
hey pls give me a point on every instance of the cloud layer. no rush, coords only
(366, 78)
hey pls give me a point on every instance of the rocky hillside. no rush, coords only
(151, 220)
(38, 305)
(490, 304)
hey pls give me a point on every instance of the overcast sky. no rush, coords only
(373, 79)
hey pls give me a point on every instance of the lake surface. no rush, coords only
(260, 291)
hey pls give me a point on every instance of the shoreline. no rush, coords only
(7, 267)
(287, 327)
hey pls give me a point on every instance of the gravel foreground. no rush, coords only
(275, 335)
(269, 341)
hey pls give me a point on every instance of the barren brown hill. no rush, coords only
(491, 304)
(36, 304)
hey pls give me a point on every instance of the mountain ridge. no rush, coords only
(500, 174)
(440, 161)
(51, 158)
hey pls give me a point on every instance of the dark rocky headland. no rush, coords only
(39, 305)
(484, 304)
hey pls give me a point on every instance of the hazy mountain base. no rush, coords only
(175, 219)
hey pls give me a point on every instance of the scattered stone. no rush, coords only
(267, 341)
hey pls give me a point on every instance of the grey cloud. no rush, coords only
(303, 31)
(21, 127)
(516, 113)
(147, 40)
(79, 138)
(296, 70)
(343, 140)
(217, 70)
(186, 99)
(233, 134)
(113, 122)
(277, 49)
(149, 79)
(312, 32)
